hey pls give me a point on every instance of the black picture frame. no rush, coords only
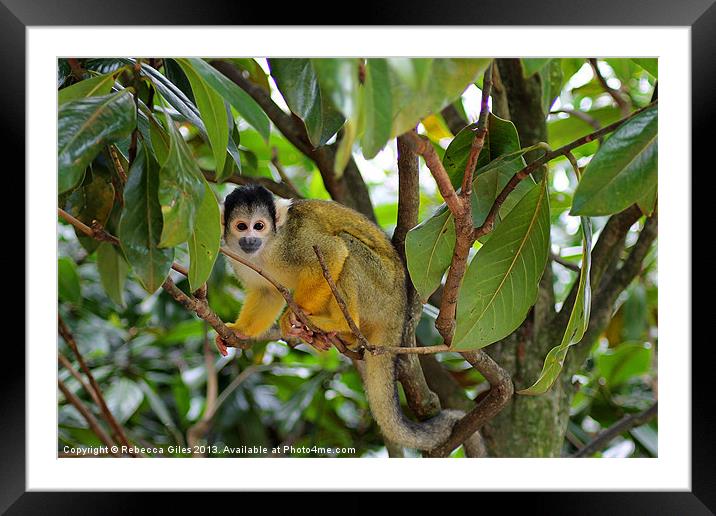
(700, 15)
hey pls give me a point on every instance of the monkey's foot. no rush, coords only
(221, 344)
(324, 341)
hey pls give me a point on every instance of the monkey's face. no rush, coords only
(249, 230)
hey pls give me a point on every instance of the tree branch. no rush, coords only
(88, 416)
(623, 425)
(501, 390)
(280, 189)
(108, 416)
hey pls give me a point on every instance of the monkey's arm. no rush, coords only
(260, 310)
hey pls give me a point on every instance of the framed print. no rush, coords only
(383, 257)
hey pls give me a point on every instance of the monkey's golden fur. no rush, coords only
(370, 277)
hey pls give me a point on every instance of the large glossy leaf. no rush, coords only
(84, 126)
(213, 113)
(650, 64)
(500, 159)
(242, 101)
(338, 78)
(623, 169)
(297, 81)
(112, 271)
(92, 201)
(628, 360)
(123, 398)
(434, 84)
(377, 107)
(141, 224)
(181, 189)
(429, 247)
(68, 281)
(205, 239)
(578, 320)
(96, 86)
(531, 66)
(501, 283)
(501, 139)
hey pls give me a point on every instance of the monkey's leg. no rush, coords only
(260, 310)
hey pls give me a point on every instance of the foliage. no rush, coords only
(147, 147)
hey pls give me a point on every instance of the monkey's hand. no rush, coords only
(221, 344)
(291, 326)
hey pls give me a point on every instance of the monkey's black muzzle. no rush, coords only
(249, 244)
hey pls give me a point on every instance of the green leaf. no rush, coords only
(531, 66)
(500, 159)
(112, 271)
(297, 81)
(562, 131)
(141, 224)
(650, 64)
(377, 107)
(628, 360)
(68, 281)
(577, 324)
(181, 188)
(242, 101)
(204, 241)
(85, 126)
(291, 412)
(501, 139)
(636, 313)
(648, 202)
(428, 248)
(160, 409)
(622, 170)
(93, 201)
(338, 78)
(434, 84)
(123, 399)
(96, 86)
(213, 113)
(501, 283)
(551, 77)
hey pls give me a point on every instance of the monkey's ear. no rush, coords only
(221, 216)
(282, 206)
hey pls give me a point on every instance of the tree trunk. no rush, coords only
(530, 426)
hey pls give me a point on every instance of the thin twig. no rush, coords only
(70, 340)
(96, 231)
(341, 302)
(564, 263)
(282, 173)
(623, 425)
(88, 416)
(624, 106)
(202, 310)
(62, 359)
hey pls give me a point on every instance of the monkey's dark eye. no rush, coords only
(259, 226)
(241, 226)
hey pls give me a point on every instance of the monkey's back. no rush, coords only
(334, 218)
(373, 273)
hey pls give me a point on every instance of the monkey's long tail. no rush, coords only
(384, 403)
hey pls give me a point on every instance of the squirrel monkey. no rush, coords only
(278, 236)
